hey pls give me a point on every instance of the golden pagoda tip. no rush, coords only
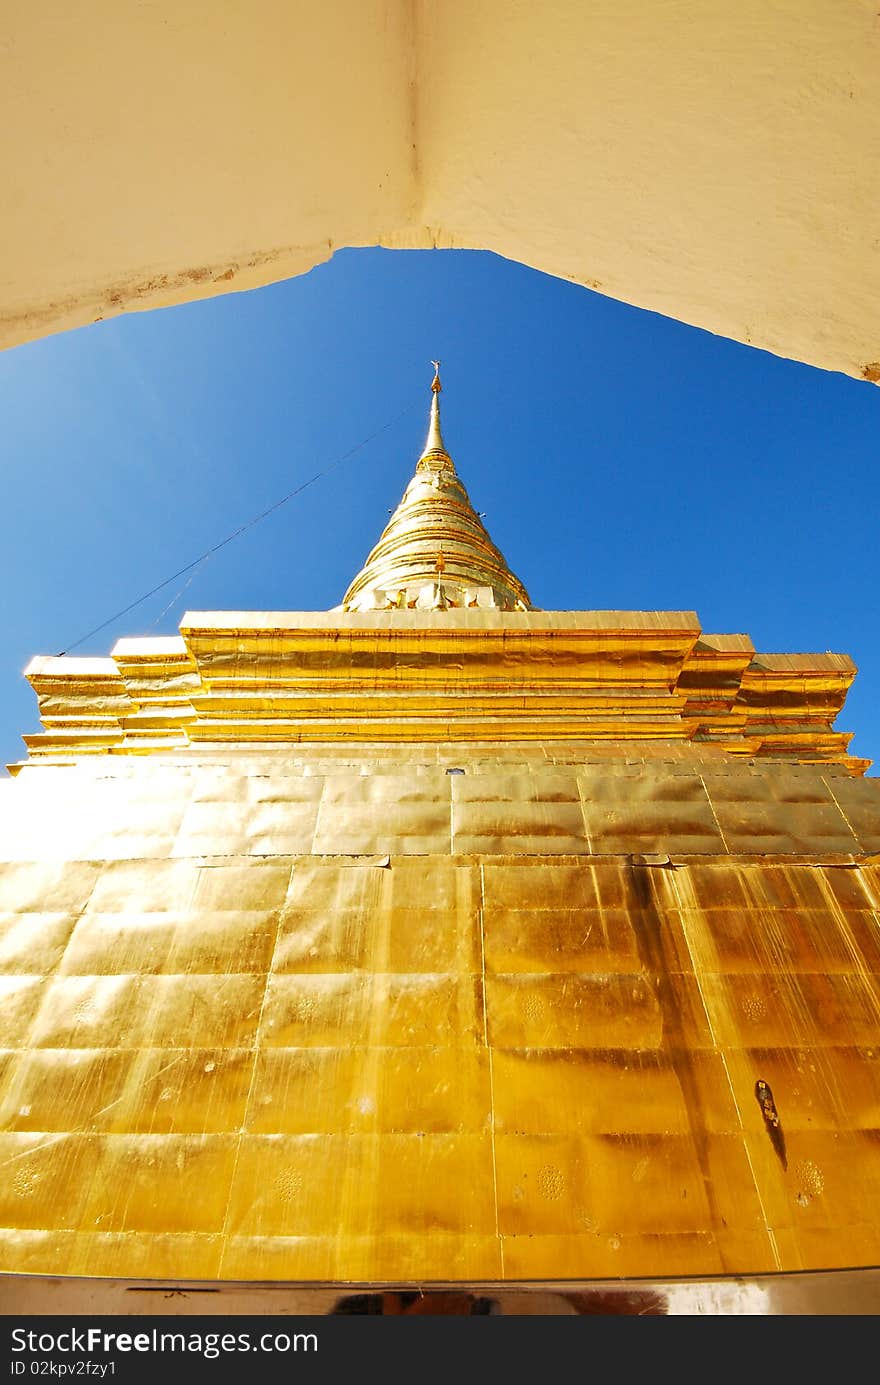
(434, 441)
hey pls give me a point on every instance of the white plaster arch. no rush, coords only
(714, 162)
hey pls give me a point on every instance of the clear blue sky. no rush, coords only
(623, 461)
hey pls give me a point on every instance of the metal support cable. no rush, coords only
(209, 553)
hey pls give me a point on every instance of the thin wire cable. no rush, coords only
(175, 598)
(209, 553)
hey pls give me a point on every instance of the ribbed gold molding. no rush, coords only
(435, 553)
(418, 677)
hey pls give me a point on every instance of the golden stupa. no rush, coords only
(437, 938)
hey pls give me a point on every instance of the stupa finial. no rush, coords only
(434, 441)
(434, 552)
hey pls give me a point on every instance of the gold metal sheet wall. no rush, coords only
(457, 1033)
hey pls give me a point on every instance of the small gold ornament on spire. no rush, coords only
(435, 383)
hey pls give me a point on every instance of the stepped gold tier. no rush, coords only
(439, 939)
(255, 677)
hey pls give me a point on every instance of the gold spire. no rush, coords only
(434, 552)
(434, 440)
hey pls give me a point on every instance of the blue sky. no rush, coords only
(623, 460)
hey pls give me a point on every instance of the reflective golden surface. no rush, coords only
(459, 1034)
(434, 553)
(462, 944)
(455, 676)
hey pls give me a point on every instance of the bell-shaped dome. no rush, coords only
(434, 552)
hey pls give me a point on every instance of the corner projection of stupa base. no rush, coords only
(434, 553)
